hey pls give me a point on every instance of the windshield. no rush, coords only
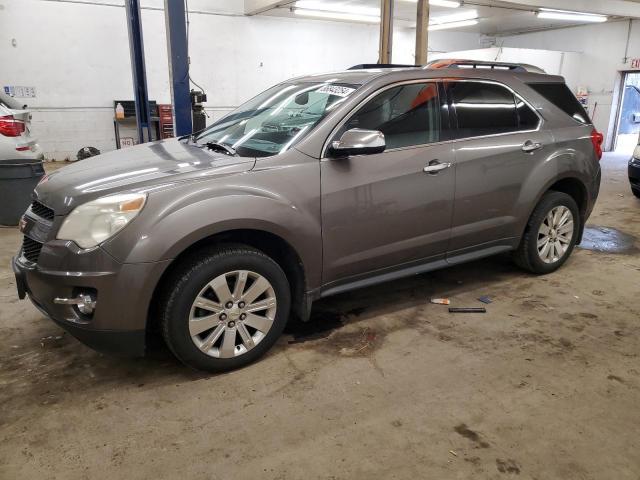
(275, 120)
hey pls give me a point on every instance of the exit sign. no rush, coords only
(635, 63)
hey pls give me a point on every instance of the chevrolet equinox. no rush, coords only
(319, 185)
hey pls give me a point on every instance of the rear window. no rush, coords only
(560, 95)
(489, 109)
(483, 109)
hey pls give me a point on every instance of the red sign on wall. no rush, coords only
(635, 63)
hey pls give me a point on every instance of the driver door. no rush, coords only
(383, 210)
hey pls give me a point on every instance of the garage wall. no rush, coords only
(76, 54)
(603, 50)
(552, 62)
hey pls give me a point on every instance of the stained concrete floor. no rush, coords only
(545, 385)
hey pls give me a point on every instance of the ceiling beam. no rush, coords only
(254, 7)
(620, 8)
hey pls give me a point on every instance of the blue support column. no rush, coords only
(177, 51)
(136, 48)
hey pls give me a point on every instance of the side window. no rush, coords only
(527, 118)
(483, 108)
(407, 115)
(560, 95)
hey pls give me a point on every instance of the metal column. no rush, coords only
(386, 31)
(177, 51)
(422, 32)
(136, 48)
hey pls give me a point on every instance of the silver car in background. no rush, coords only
(16, 141)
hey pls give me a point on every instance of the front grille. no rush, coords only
(31, 249)
(42, 211)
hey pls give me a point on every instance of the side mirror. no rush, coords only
(358, 141)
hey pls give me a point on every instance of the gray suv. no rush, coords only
(320, 185)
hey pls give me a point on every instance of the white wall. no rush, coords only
(603, 48)
(77, 57)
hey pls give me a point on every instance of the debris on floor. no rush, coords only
(51, 341)
(440, 301)
(485, 299)
(467, 310)
(363, 343)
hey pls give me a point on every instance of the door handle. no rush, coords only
(435, 166)
(529, 146)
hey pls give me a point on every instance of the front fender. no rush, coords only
(176, 218)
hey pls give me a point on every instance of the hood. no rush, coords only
(144, 167)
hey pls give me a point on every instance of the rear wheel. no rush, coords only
(636, 192)
(550, 235)
(224, 308)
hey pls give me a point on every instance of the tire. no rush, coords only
(636, 192)
(528, 256)
(201, 335)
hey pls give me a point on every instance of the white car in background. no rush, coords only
(16, 142)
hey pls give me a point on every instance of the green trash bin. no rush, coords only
(18, 178)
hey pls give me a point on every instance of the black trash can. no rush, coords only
(18, 178)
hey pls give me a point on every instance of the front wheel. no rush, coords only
(550, 235)
(224, 307)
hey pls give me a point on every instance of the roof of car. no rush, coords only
(363, 76)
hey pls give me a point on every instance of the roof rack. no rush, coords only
(364, 66)
(460, 63)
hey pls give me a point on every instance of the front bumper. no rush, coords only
(123, 294)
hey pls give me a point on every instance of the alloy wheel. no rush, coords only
(555, 234)
(232, 314)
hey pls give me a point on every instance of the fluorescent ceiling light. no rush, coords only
(444, 26)
(440, 3)
(444, 3)
(355, 13)
(454, 17)
(337, 15)
(332, 7)
(551, 14)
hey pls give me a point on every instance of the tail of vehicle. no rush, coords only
(559, 94)
(15, 130)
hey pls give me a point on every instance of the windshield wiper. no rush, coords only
(221, 147)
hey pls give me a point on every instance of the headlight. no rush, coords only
(93, 222)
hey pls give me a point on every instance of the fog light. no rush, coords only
(85, 303)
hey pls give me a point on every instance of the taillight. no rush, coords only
(597, 138)
(10, 127)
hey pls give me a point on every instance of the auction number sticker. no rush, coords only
(337, 90)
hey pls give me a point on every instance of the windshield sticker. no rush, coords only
(337, 90)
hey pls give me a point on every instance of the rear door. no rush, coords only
(383, 210)
(499, 142)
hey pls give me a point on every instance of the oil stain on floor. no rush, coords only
(607, 240)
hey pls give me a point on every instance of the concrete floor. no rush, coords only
(546, 385)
